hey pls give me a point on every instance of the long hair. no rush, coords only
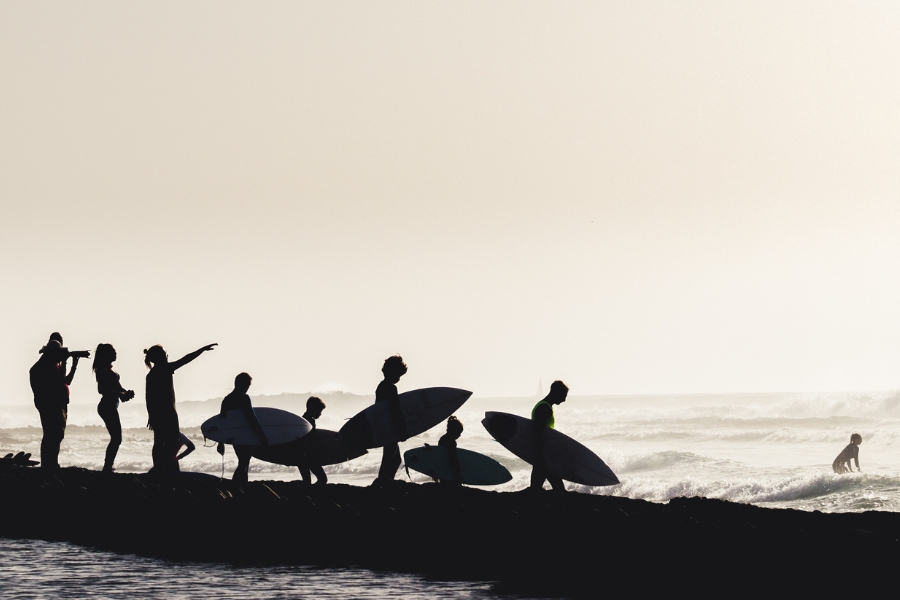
(103, 357)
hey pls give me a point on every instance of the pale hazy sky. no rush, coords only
(631, 196)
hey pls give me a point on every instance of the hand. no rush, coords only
(221, 448)
(208, 348)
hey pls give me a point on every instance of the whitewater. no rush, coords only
(771, 450)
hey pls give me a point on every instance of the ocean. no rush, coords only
(772, 450)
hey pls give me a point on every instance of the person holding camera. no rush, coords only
(111, 391)
(50, 385)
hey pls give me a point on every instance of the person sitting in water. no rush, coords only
(307, 455)
(541, 417)
(239, 400)
(394, 368)
(186, 443)
(842, 463)
(448, 440)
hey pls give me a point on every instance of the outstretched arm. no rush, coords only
(189, 357)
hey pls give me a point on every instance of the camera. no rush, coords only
(80, 353)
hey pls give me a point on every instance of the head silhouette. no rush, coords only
(155, 355)
(856, 439)
(558, 392)
(454, 427)
(104, 356)
(242, 382)
(315, 406)
(394, 368)
(53, 351)
(57, 336)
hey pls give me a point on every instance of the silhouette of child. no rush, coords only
(448, 440)
(308, 462)
(842, 463)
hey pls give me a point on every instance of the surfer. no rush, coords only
(238, 399)
(394, 368)
(541, 417)
(50, 386)
(162, 417)
(308, 461)
(448, 440)
(111, 391)
(842, 463)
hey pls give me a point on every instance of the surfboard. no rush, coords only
(565, 458)
(475, 468)
(280, 427)
(421, 410)
(325, 448)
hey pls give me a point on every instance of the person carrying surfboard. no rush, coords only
(308, 462)
(238, 399)
(162, 417)
(541, 417)
(394, 368)
(448, 440)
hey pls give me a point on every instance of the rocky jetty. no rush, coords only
(545, 544)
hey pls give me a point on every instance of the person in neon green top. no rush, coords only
(541, 417)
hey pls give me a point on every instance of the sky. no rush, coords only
(634, 197)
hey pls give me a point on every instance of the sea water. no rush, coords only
(771, 450)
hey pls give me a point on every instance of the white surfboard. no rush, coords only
(280, 427)
(565, 458)
(421, 410)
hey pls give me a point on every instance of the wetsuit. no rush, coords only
(390, 458)
(51, 398)
(110, 391)
(541, 417)
(307, 456)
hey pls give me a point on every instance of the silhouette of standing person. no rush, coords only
(541, 417)
(50, 386)
(394, 368)
(111, 391)
(308, 461)
(162, 417)
(448, 440)
(238, 399)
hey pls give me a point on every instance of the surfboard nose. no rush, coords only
(501, 427)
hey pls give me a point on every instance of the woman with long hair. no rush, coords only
(111, 391)
(161, 413)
